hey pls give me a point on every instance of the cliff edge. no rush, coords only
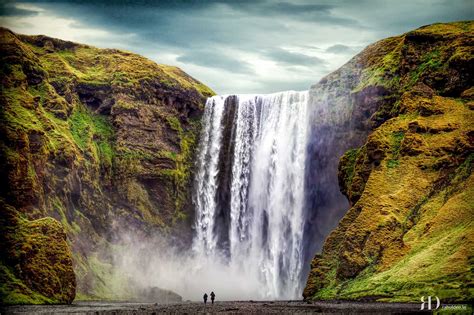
(95, 143)
(409, 230)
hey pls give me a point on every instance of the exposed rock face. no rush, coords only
(409, 230)
(343, 107)
(99, 139)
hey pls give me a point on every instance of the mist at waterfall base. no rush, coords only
(252, 240)
(250, 188)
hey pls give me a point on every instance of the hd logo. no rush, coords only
(429, 303)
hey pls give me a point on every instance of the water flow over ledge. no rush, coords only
(249, 189)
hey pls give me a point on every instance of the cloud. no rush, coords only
(292, 8)
(285, 57)
(340, 49)
(281, 8)
(234, 46)
(214, 59)
(9, 9)
(322, 13)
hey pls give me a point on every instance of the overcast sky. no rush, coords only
(240, 46)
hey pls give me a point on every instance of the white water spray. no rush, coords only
(249, 193)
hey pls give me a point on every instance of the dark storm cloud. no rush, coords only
(227, 37)
(320, 13)
(170, 23)
(188, 24)
(9, 9)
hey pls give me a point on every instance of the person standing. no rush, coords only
(205, 298)
(213, 296)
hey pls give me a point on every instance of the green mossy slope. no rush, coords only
(409, 231)
(36, 260)
(102, 141)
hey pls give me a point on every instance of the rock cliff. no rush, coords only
(405, 110)
(94, 142)
(98, 142)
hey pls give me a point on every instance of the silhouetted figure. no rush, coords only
(213, 296)
(205, 298)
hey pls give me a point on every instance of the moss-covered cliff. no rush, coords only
(410, 230)
(101, 140)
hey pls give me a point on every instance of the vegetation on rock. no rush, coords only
(101, 140)
(36, 260)
(409, 231)
(98, 140)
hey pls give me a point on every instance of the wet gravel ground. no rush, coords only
(230, 307)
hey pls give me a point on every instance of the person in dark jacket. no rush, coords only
(205, 298)
(213, 296)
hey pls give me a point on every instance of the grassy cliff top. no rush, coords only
(71, 61)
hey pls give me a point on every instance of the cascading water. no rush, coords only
(266, 195)
(249, 190)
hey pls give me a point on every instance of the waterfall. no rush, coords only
(249, 188)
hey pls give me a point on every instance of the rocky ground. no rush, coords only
(230, 307)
